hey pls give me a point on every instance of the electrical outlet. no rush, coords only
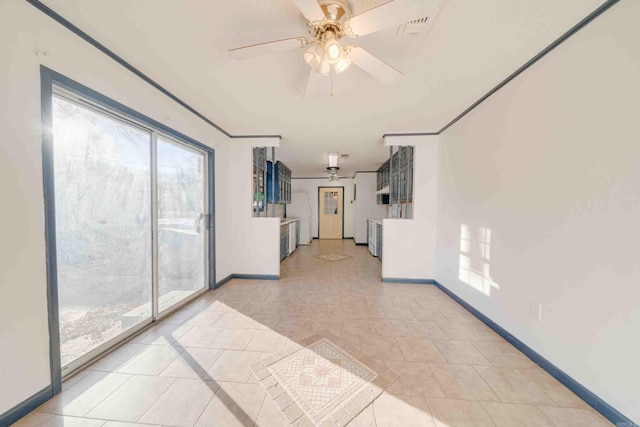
(535, 311)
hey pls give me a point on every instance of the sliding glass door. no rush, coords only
(182, 222)
(131, 225)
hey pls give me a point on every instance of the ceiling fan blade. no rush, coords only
(267, 48)
(314, 85)
(392, 13)
(310, 9)
(374, 65)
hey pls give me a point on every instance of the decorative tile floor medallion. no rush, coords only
(322, 383)
(333, 257)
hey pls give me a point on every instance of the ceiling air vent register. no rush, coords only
(414, 28)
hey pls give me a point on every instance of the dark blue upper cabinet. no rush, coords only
(278, 183)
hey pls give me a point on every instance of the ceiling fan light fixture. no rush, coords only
(324, 68)
(333, 51)
(332, 48)
(313, 56)
(342, 64)
(328, 22)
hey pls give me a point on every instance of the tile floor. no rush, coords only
(193, 368)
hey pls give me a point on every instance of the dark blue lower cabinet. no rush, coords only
(379, 241)
(284, 241)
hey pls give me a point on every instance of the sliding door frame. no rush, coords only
(157, 312)
(86, 104)
(49, 79)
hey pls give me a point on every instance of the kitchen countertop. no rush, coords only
(377, 221)
(289, 220)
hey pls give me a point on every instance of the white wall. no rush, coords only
(223, 215)
(24, 338)
(256, 241)
(311, 186)
(366, 204)
(408, 245)
(550, 164)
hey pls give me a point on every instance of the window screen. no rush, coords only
(331, 203)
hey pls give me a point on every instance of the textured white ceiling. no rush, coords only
(472, 46)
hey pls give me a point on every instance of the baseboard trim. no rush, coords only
(255, 276)
(412, 281)
(246, 276)
(606, 410)
(22, 409)
(223, 281)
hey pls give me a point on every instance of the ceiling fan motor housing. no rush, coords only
(336, 12)
(326, 51)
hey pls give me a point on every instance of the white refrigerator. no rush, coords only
(300, 207)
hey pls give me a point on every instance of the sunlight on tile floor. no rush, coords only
(194, 368)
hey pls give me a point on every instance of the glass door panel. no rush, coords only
(182, 222)
(102, 169)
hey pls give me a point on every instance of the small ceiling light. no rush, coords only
(324, 68)
(334, 51)
(342, 64)
(332, 48)
(313, 56)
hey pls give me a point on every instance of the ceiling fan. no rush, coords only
(328, 21)
(334, 177)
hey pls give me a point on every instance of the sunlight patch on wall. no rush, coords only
(475, 255)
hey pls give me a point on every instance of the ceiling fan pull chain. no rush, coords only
(331, 93)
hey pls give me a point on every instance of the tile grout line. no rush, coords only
(208, 402)
(103, 399)
(429, 410)
(487, 384)
(373, 409)
(109, 395)
(558, 405)
(156, 401)
(255, 422)
(104, 421)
